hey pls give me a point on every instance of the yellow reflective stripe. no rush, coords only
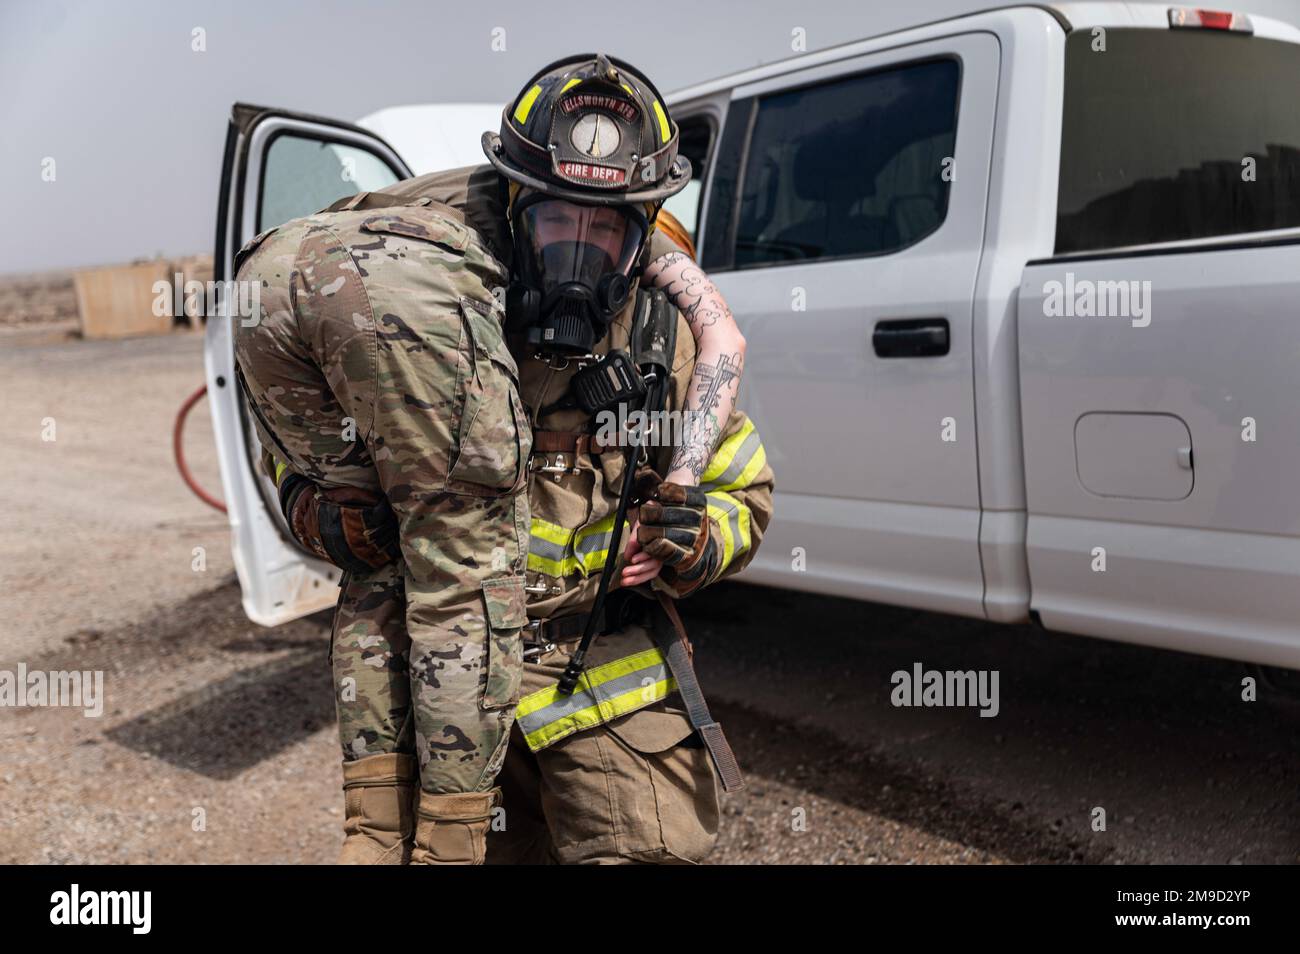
(280, 468)
(722, 518)
(551, 531)
(526, 104)
(750, 472)
(548, 546)
(590, 679)
(665, 132)
(629, 90)
(594, 559)
(732, 518)
(599, 713)
(570, 84)
(559, 551)
(737, 461)
(742, 521)
(726, 451)
(728, 542)
(593, 709)
(541, 564)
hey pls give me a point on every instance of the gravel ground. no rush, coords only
(212, 723)
(98, 526)
(1185, 770)
(217, 745)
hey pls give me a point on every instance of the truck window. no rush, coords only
(303, 175)
(1177, 134)
(848, 168)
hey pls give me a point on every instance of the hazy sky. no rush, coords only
(135, 119)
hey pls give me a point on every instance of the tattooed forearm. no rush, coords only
(692, 457)
(720, 351)
(689, 288)
(713, 385)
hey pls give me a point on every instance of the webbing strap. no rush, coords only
(671, 637)
(549, 442)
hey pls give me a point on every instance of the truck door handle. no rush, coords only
(911, 338)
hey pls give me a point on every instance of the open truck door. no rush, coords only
(278, 166)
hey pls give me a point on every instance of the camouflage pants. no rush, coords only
(447, 696)
(396, 695)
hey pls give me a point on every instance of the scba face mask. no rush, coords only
(573, 270)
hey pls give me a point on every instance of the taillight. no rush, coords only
(1192, 19)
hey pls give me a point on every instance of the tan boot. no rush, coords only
(377, 795)
(452, 829)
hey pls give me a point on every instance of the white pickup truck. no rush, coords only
(1022, 297)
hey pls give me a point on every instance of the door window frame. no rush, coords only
(749, 97)
(702, 174)
(257, 147)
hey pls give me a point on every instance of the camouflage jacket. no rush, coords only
(380, 348)
(572, 512)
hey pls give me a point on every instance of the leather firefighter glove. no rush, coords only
(675, 527)
(354, 529)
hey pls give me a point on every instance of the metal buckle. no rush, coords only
(550, 360)
(536, 649)
(557, 469)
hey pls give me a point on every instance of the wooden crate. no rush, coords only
(118, 302)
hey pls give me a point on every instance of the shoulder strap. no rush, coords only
(670, 635)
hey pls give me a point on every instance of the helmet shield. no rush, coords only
(593, 129)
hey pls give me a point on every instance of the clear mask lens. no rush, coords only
(565, 243)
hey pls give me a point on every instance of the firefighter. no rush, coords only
(627, 766)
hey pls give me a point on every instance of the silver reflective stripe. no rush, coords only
(593, 543)
(733, 521)
(585, 546)
(567, 705)
(744, 454)
(538, 546)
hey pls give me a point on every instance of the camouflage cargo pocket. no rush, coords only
(506, 616)
(494, 438)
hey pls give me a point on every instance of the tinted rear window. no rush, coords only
(1156, 128)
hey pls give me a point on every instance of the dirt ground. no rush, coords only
(217, 743)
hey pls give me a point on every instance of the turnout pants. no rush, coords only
(638, 789)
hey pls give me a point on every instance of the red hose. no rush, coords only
(177, 431)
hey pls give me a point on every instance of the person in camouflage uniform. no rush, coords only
(377, 373)
(615, 773)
